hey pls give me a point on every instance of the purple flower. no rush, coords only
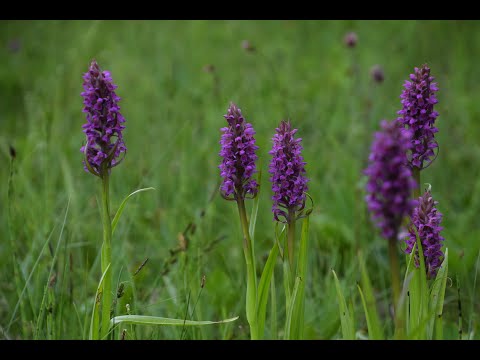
(289, 184)
(247, 46)
(390, 181)
(377, 73)
(350, 39)
(238, 153)
(104, 122)
(426, 220)
(418, 115)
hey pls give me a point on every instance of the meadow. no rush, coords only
(177, 250)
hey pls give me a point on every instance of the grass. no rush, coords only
(301, 70)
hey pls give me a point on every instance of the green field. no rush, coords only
(50, 226)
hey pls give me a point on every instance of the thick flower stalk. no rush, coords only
(426, 221)
(417, 115)
(289, 183)
(238, 153)
(237, 169)
(390, 181)
(289, 187)
(101, 153)
(389, 187)
(104, 124)
(287, 169)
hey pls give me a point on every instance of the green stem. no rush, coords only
(291, 238)
(395, 271)
(251, 274)
(106, 255)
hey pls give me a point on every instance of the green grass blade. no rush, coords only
(94, 322)
(28, 279)
(437, 296)
(42, 306)
(156, 320)
(17, 274)
(264, 287)
(348, 331)
(80, 324)
(375, 330)
(122, 206)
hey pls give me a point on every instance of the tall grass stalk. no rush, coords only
(13, 248)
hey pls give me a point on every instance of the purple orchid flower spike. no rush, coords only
(287, 169)
(104, 122)
(238, 152)
(418, 116)
(390, 180)
(426, 221)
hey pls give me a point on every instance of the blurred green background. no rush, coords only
(176, 80)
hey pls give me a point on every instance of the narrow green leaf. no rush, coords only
(249, 252)
(122, 206)
(437, 296)
(410, 267)
(348, 331)
(156, 320)
(94, 322)
(424, 298)
(299, 303)
(419, 296)
(375, 331)
(367, 316)
(414, 297)
(287, 281)
(273, 300)
(420, 332)
(423, 270)
(288, 324)
(264, 287)
(406, 289)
